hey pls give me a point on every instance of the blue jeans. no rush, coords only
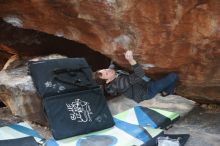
(166, 84)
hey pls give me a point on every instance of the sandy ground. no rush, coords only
(203, 125)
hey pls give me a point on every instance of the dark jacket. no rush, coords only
(130, 85)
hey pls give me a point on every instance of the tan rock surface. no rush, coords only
(19, 94)
(181, 36)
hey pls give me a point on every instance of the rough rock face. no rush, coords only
(17, 91)
(181, 36)
(18, 44)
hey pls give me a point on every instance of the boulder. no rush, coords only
(19, 94)
(180, 36)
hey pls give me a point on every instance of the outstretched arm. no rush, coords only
(138, 71)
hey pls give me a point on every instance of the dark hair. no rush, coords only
(98, 78)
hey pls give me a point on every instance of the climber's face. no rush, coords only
(107, 74)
